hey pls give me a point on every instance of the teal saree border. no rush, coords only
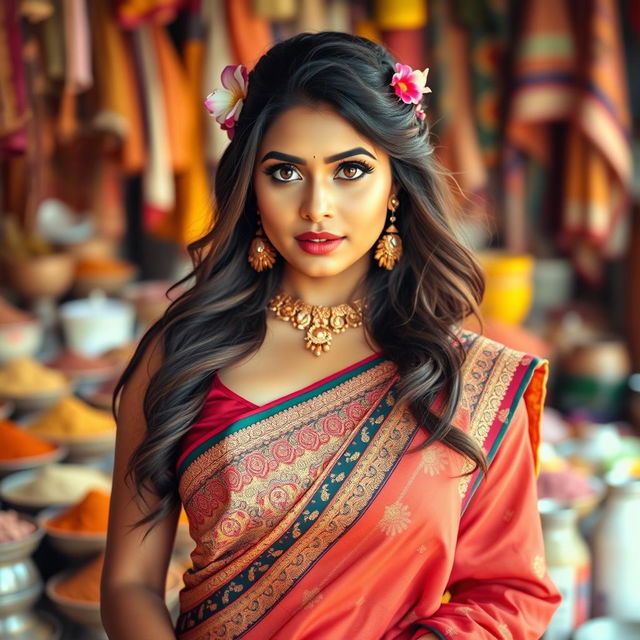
(258, 415)
(318, 503)
(522, 385)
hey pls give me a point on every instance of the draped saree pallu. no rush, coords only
(318, 515)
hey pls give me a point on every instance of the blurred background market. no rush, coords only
(107, 158)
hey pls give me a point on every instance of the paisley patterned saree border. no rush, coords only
(369, 460)
(272, 409)
(498, 378)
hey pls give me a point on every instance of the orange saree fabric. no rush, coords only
(319, 516)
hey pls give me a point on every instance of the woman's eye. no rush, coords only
(353, 170)
(284, 173)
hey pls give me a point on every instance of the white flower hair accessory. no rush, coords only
(225, 104)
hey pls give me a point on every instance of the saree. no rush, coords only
(321, 516)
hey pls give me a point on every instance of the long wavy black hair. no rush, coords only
(413, 311)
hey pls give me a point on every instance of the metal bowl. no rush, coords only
(30, 626)
(23, 548)
(20, 581)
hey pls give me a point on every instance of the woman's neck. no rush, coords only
(326, 291)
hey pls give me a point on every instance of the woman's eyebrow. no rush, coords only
(277, 155)
(350, 152)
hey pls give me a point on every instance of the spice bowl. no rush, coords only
(32, 625)
(83, 370)
(13, 488)
(71, 543)
(23, 548)
(87, 613)
(32, 462)
(110, 275)
(87, 448)
(20, 339)
(84, 613)
(48, 276)
(20, 585)
(38, 401)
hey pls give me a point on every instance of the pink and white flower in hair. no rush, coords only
(409, 86)
(225, 104)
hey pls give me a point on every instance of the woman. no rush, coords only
(371, 476)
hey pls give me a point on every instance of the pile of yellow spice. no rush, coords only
(24, 376)
(70, 419)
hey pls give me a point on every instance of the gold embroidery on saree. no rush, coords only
(382, 453)
(487, 373)
(396, 519)
(216, 571)
(262, 432)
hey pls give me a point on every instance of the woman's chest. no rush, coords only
(282, 365)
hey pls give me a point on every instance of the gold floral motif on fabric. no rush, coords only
(396, 519)
(539, 567)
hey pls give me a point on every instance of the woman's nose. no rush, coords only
(318, 203)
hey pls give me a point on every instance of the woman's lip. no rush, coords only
(319, 248)
(321, 235)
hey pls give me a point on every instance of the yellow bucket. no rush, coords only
(509, 286)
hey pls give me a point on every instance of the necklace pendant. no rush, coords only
(319, 322)
(318, 339)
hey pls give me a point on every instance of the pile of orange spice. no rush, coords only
(90, 515)
(102, 266)
(83, 585)
(17, 443)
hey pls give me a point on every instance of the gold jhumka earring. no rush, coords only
(389, 247)
(262, 255)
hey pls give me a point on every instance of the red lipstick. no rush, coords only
(318, 244)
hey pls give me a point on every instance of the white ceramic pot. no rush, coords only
(94, 325)
(19, 339)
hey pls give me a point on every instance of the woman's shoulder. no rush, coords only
(496, 379)
(483, 351)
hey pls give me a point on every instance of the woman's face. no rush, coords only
(315, 173)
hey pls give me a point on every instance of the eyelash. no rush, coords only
(361, 164)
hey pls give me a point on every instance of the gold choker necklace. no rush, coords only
(319, 321)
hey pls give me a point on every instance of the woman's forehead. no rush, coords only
(313, 132)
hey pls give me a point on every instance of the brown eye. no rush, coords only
(350, 172)
(283, 173)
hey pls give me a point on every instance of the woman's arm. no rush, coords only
(499, 585)
(135, 568)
